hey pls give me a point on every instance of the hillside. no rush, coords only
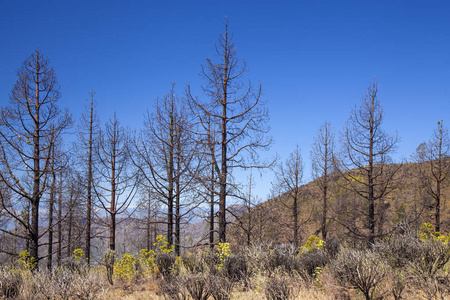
(408, 205)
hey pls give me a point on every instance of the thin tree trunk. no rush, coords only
(89, 184)
(70, 225)
(50, 219)
(59, 250)
(211, 209)
(34, 229)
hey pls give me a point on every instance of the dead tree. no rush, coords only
(166, 157)
(237, 111)
(87, 136)
(288, 180)
(434, 168)
(364, 162)
(322, 155)
(116, 184)
(25, 144)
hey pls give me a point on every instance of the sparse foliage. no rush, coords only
(364, 163)
(238, 116)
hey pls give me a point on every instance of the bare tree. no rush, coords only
(288, 180)
(29, 127)
(87, 135)
(322, 154)
(237, 111)
(434, 168)
(148, 212)
(59, 161)
(248, 220)
(117, 182)
(365, 161)
(166, 158)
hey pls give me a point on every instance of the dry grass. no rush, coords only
(311, 294)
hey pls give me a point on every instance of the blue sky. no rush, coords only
(314, 59)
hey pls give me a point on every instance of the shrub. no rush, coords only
(312, 261)
(398, 284)
(278, 289)
(125, 268)
(172, 289)
(223, 251)
(108, 262)
(427, 232)
(10, 283)
(426, 267)
(283, 259)
(146, 262)
(235, 268)
(359, 269)
(76, 263)
(398, 251)
(197, 286)
(332, 247)
(192, 263)
(257, 257)
(210, 259)
(220, 288)
(26, 262)
(162, 245)
(63, 284)
(312, 243)
(165, 262)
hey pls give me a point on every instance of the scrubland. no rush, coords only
(405, 266)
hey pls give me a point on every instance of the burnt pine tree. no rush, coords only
(237, 111)
(87, 135)
(365, 162)
(117, 180)
(166, 158)
(59, 161)
(322, 154)
(29, 127)
(288, 180)
(207, 146)
(434, 168)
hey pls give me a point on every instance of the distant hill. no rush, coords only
(407, 205)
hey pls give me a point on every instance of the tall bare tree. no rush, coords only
(87, 135)
(166, 157)
(29, 127)
(434, 168)
(59, 161)
(237, 111)
(322, 154)
(117, 182)
(288, 180)
(366, 150)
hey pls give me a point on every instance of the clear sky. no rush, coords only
(314, 59)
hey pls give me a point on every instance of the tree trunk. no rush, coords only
(50, 219)
(89, 184)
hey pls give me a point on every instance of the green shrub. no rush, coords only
(125, 268)
(146, 262)
(26, 262)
